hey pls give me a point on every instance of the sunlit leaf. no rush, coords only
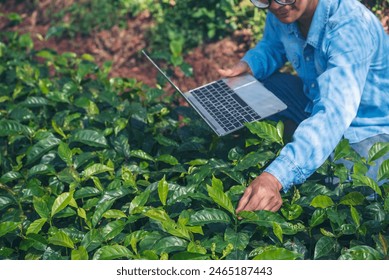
(322, 201)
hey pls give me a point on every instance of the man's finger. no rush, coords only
(244, 199)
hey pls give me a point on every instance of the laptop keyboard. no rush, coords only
(224, 105)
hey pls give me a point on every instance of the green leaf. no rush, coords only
(36, 226)
(41, 207)
(101, 208)
(361, 180)
(355, 216)
(218, 196)
(324, 246)
(60, 238)
(361, 252)
(159, 215)
(378, 150)
(291, 211)
(274, 253)
(79, 254)
(253, 159)
(277, 230)
(5, 202)
(114, 214)
(383, 171)
(42, 147)
(95, 169)
(112, 229)
(139, 200)
(65, 153)
(262, 218)
(40, 169)
(113, 252)
(6, 227)
(266, 131)
(170, 244)
(209, 216)
(141, 154)
(163, 190)
(90, 138)
(239, 240)
(318, 217)
(169, 159)
(322, 201)
(10, 176)
(352, 199)
(11, 127)
(342, 150)
(61, 202)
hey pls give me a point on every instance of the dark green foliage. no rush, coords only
(99, 168)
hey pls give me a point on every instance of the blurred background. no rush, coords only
(192, 38)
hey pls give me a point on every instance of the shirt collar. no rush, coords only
(319, 21)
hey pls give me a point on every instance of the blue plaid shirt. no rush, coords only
(344, 65)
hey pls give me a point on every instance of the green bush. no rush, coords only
(99, 168)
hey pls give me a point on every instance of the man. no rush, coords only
(341, 55)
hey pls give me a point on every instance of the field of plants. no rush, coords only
(98, 166)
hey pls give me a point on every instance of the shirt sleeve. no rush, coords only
(269, 54)
(349, 50)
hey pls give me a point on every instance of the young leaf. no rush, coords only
(79, 254)
(322, 201)
(114, 214)
(266, 131)
(36, 226)
(61, 202)
(41, 207)
(277, 230)
(274, 253)
(378, 150)
(163, 189)
(60, 238)
(355, 216)
(95, 169)
(352, 199)
(65, 153)
(218, 196)
(6, 227)
(383, 171)
(361, 180)
(139, 200)
(112, 229)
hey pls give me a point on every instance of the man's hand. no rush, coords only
(239, 68)
(262, 194)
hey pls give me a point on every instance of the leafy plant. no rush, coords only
(100, 168)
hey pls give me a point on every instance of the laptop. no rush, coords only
(226, 104)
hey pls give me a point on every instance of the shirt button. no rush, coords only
(313, 85)
(307, 58)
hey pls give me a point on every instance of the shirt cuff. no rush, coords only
(286, 172)
(253, 63)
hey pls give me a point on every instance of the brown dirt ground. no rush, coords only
(122, 46)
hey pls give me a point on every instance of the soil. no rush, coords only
(122, 46)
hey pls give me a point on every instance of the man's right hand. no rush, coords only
(238, 69)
